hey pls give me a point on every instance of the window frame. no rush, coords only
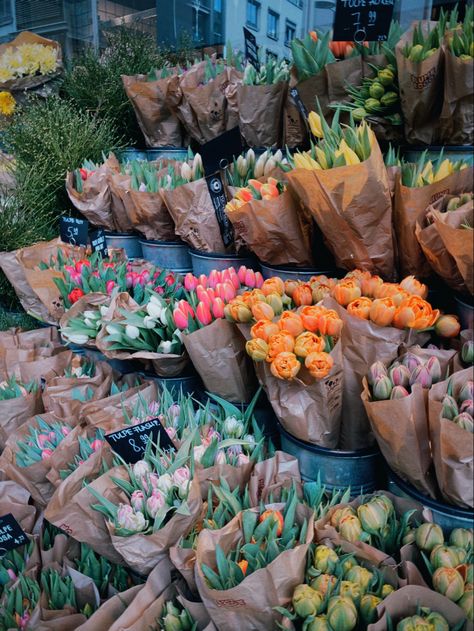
(274, 14)
(289, 25)
(254, 26)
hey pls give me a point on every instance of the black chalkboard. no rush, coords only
(73, 230)
(251, 48)
(219, 200)
(11, 534)
(99, 242)
(219, 152)
(130, 442)
(362, 20)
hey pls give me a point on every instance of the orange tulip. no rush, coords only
(414, 287)
(276, 303)
(257, 185)
(276, 517)
(369, 285)
(346, 291)
(415, 313)
(307, 343)
(257, 349)
(319, 364)
(262, 311)
(292, 322)
(360, 308)
(382, 311)
(447, 326)
(243, 566)
(273, 285)
(264, 329)
(253, 297)
(290, 286)
(285, 366)
(244, 195)
(321, 291)
(237, 311)
(358, 275)
(281, 342)
(310, 315)
(330, 323)
(303, 295)
(313, 35)
(393, 291)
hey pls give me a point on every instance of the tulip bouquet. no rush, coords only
(40, 442)
(247, 167)
(59, 593)
(19, 603)
(450, 563)
(425, 42)
(425, 619)
(13, 389)
(86, 447)
(460, 410)
(14, 563)
(107, 576)
(311, 54)
(83, 328)
(255, 189)
(338, 592)
(425, 171)
(174, 617)
(271, 72)
(84, 173)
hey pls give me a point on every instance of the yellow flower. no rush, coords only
(7, 103)
(349, 154)
(314, 121)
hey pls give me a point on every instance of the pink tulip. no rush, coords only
(51, 436)
(229, 292)
(203, 314)
(46, 453)
(96, 444)
(70, 269)
(65, 430)
(136, 279)
(241, 274)
(11, 574)
(109, 286)
(174, 410)
(136, 500)
(81, 264)
(225, 275)
(42, 439)
(250, 280)
(234, 279)
(155, 502)
(129, 279)
(218, 308)
(203, 280)
(211, 293)
(258, 280)
(213, 278)
(203, 296)
(181, 319)
(190, 282)
(171, 432)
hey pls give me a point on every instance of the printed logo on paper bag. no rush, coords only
(362, 20)
(419, 82)
(11, 534)
(130, 442)
(219, 200)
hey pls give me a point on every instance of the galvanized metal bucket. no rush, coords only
(445, 515)
(173, 255)
(360, 470)
(170, 153)
(129, 154)
(128, 241)
(465, 311)
(187, 384)
(205, 262)
(123, 366)
(293, 273)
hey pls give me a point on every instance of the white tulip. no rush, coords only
(113, 329)
(269, 166)
(165, 347)
(149, 322)
(103, 310)
(197, 166)
(77, 338)
(278, 155)
(165, 483)
(154, 310)
(142, 188)
(241, 166)
(250, 157)
(260, 164)
(164, 317)
(91, 315)
(132, 331)
(186, 171)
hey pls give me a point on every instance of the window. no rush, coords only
(253, 13)
(272, 24)
(290, 32)
(298, 3)
(218, 6)
(6, 16)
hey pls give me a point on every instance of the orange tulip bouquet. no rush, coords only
(269, 222)
(378, 317)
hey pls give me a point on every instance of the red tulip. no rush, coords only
(203, 280)
(218, 308)
(190, 282)
(75, 294)
(203, 314)
(213, 278)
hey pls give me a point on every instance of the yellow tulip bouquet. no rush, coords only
(343, 182)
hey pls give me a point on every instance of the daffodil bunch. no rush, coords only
(12, 389)
(425, 171)
(174, 617)
(338, 592)
(87, 447)
(13, 563)
(337, 145)
(157, 487)
(40, 441)
(311, 54)
(271, 72)
(449, 562)
(19, 603)
(255, 189)
(461, 41)
(246, 167)
(83, 328)
(27, 60)
(266, 533)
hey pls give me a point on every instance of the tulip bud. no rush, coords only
(171, 622)
(203, 314)
(132, 331)
(465, 421)
(342, 614)
(399, 392)
(467, 391)
(361, 576)
(259, 280)
(449, 582)
(422, 376)
(241, 274)
(306, 601)
(466, 602)
(382, 388)
(428, 536)
(447, 326)
(186, 171)
(190, 282)
(324, 583)
(218, 308)
(411, 361)
(372, 517)
(368, 608)
(257, 349)
(350, 528)
(350, 590)
(462, 538)
(375, 371)
(339, 513)
(325, 559)
(444, 556)
(434, 368)
(400, 375)
(450, 408)
(414, 623)
(213, 278)
(467, 352)
(467, 406)
(409, 536)
(387, 590)
(275, 302)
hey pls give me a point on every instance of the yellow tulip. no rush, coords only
(350, 156)
(445, 169)
(427, 171)
(321, 156)
(314, 121)
(305, 161)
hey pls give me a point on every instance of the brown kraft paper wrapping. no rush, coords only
(89, 301)
(14, 412)
(113, 608)
(409, 204)
(295, 128)
(45, 367)
(250, 605)
(339, 74)
(236, 477)
(159, 125)
(218, 354)
(308, 409)
(120, 186)
(199, 228)
(427, 234)
(274, 230)
(142, 552)
(400, 427)
(271, 475)
(421, 90)
(363, 343)
(353, 208)
(457, 117)
(149, 215)
(112, 409)
(406, 602)
(452, 446)
(15, 500)
(260, 112)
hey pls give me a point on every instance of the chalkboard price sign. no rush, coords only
(99, 242)
(216, 190)
(74, 231)
(362, 20)
(11, 534)
(130, 442)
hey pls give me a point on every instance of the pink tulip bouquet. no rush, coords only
(40, 441)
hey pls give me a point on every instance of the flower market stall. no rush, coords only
(245, 400)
